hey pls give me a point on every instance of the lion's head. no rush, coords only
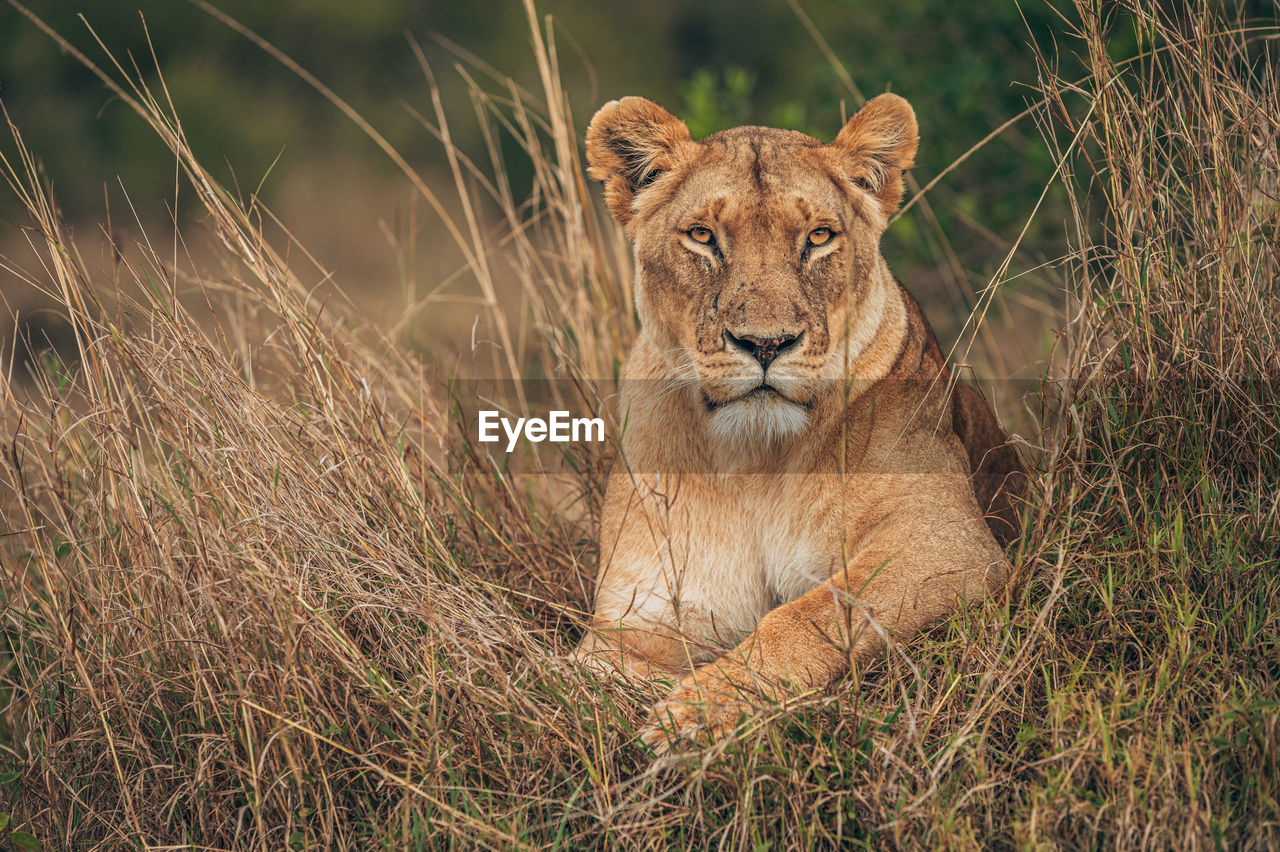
(757, 250)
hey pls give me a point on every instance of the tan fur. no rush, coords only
(754, 540)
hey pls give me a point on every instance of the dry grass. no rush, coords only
(257, 593)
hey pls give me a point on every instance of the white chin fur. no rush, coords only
(757, 419)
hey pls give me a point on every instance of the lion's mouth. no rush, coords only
(759, 392)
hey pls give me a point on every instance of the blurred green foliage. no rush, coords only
(717, 63)
(720, 62)
(713, 102)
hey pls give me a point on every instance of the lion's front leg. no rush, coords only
(633, 652)
(660, 604)
(905, 580)
(788, 651)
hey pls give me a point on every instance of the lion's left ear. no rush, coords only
(878, 145)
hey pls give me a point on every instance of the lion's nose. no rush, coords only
(763, 349)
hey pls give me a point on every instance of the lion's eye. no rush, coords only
(820, 236)
(702, 235)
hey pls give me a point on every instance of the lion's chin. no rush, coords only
(762, 416)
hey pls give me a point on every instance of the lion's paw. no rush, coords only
(704, 709)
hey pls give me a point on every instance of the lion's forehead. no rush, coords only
(755, 179)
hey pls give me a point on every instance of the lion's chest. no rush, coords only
(796, 537)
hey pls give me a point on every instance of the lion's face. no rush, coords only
(756, 250)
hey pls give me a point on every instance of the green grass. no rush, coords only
(255, 593)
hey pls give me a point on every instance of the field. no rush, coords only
(258, 590)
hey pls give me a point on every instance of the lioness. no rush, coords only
(800, 478)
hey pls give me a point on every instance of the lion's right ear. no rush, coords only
(630, 144)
